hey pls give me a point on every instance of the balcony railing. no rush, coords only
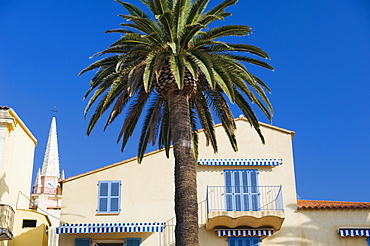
(244, 198)
(6, 221)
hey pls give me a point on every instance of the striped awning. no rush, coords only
(241, 162)
(353, 232)
(110, 228)
(244, 232)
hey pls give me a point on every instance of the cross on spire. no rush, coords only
(54, 110)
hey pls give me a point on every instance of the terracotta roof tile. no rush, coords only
(312, 204)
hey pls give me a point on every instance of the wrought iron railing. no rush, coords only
(244, 198)
(6, 217)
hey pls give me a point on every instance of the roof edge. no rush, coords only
(260, 123)
(161, 150)
(22, 125)
(322, 204)
(110, 166)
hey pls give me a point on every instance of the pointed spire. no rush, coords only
(38, 178)
(50, 167)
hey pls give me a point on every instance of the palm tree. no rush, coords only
(175, 67)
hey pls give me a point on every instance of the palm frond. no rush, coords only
(132, 116)
(150, 124)
(165, 132)
(133, 10)
(178, 69)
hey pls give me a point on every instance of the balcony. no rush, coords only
(6, 222)
(244, 206)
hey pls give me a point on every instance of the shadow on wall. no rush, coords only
(31, 236)
(320, 228)
(3, 187)
(69, 214)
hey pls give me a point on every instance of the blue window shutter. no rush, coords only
(109, 196)
(103, 196)
(133, 241)
(243, 241)
(254, 193)
(115, 187)
(228, 190)
(82, 241)
(241, 191)
(255, 241)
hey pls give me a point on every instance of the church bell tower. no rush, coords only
(47, 194)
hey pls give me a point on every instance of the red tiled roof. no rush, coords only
(312, 204)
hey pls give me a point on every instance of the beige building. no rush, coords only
(17, 224)
(246, 198)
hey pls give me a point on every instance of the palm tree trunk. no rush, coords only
(186, 202)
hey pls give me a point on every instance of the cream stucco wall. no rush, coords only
(147, 193)
(17, 145)
(147, 189)
(30, 235)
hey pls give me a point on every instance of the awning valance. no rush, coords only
(244, 232)
(241, 162)
(352, 232)
(109, 228)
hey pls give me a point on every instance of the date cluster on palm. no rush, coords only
(166, 82)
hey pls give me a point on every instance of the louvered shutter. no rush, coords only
(228, 191)
(133, 241)
(82, 241)
(103, 196)
(109, 196)
(243, 241)
(254, 193)
(115, 187)
(241, 190)
(255, 241)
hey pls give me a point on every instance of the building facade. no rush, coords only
(17, 223)
(245, 198)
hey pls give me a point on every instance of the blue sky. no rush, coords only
(320, 86)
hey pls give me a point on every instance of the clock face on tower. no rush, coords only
(50, 183)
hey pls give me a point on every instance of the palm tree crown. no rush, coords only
(175, 50)
(176, 68)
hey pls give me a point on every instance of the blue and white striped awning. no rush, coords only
(353, 232)
(244, 232)
(241, 162)
(109, 228)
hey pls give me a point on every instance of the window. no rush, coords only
(241, 191)
(243, 241)
(109, 196)
(82, 241)
(108, 243)
(29, 223)
(126, 242)
(133, 241)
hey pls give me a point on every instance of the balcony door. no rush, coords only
(241, 190)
